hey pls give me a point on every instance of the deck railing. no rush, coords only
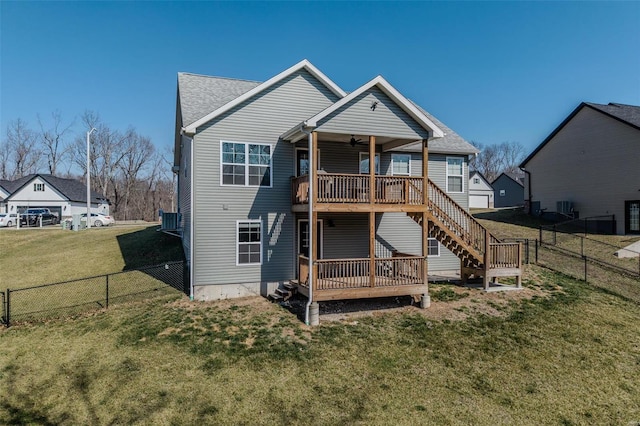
(505, 255)
(338, 274)
(354, 188)
(456, 218)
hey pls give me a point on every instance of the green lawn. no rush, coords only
(36, 256)
(569, 353)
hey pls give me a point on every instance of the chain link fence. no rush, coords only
(66, 298)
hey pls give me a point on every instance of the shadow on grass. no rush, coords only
(515, 216)
(147, 247)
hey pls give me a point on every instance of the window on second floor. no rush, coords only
(401, 164)
(246, 164)
(364, 163)
(38, 187)
(476, 180)
(503, 192)
(455, 174)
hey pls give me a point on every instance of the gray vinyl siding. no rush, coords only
(388, 119)
(261, 119)
(184, 188)
(513, 192)
(593, 162)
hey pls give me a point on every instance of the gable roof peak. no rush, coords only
(303, 64)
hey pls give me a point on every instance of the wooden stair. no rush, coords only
(480, 253)
(284, 292)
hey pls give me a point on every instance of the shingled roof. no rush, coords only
(201, 94)
(630, 114)
(70, 188)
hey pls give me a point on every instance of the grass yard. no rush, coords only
(31, 257)
(559, 352)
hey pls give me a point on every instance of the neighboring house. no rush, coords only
(63, 197)
(276, 182)
(508, 190)
(589, 166)
(480, 191)
(4, 193)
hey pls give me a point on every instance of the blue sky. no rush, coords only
(493, 72)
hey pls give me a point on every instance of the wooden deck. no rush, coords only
(337, 279)
(340, 188)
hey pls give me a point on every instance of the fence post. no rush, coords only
(536, 252)
(107, 291)
(554, 235)
(585, 268)
(582, 245)
(8, 304)
(540, 236)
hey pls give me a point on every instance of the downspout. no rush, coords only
(192, 213)
(303, 129)
(529, 190)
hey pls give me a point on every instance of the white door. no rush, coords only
(479, 201)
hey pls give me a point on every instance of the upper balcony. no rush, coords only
(352, 192)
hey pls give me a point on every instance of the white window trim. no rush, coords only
(503, 192)
(238, 222)
(295, 159)
(37, 185)
(362, 154)
(400, 174)
(476, 181)
(461, 176)
(439, 251)
(246, 165)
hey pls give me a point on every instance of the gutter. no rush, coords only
(528, 173)
(306, 129)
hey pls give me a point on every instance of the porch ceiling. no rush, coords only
(387, 142)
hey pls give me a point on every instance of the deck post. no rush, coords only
(372, 214)
(372, 249)
(313, 245)
(519, 277)
(487, 259)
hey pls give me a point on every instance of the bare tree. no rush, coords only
(21, 150)
(497, 158)
(52, 141)
(137, 151)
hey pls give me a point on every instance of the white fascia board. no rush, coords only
(390, 91)
(191, 129)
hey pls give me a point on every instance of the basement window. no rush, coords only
(249, 242)
(433, 248)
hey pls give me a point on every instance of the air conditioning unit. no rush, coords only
(564, 207)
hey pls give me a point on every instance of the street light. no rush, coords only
(89, 180)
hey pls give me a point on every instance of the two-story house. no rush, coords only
(347, 195)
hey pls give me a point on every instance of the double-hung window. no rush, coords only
(433, 249)
(455, 174)
(246, 164)
(401, 164)
(364, 163)
(249, 242)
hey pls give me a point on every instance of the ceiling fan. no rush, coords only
(354, 141)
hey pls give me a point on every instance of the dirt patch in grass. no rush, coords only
(449, 302)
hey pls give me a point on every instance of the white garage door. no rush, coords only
(479, 201)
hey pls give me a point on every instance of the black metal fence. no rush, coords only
(529, 248)
(72, 297)
(604, 225)
(592, 250)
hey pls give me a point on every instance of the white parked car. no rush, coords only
(8, 219)
(99, 219)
